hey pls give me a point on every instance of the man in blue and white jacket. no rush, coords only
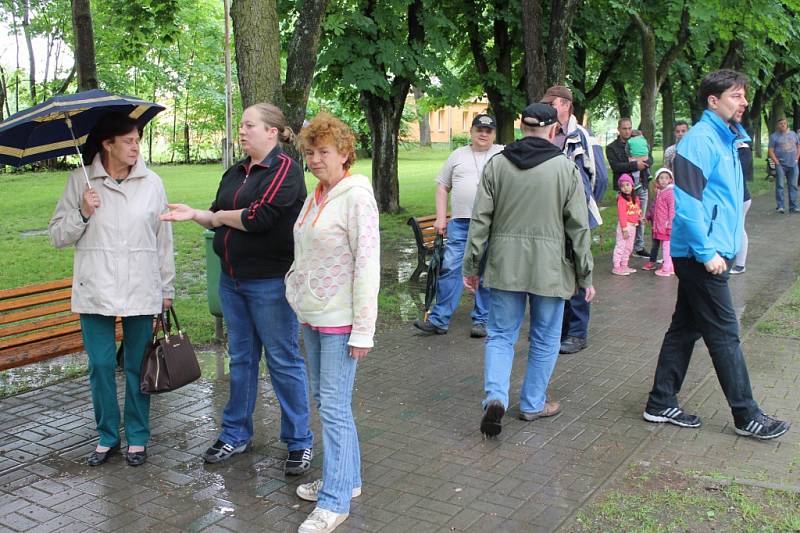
(706, 234)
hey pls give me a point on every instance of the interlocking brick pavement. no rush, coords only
(417, 403)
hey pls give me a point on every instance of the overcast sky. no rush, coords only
(8, 50)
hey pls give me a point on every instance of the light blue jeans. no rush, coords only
(259, 318)
(789, 174)
(505, 318)
(332, 373)
(451, 281)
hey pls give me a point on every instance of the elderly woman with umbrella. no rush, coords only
(123, 266)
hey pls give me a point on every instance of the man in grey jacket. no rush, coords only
(531, 205)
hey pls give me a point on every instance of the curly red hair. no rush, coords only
(327, 129)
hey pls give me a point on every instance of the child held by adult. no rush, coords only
(660, 216)
(629, 211)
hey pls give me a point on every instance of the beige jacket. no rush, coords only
(336, 273)
(124, 263)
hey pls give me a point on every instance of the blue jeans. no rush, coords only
(451, 281)
(258, 317)
(332, 372)
(505, 318)
(638, 240)
(576, 316)
(704, 308)
(790, 175)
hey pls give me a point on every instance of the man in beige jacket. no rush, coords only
(531, 206)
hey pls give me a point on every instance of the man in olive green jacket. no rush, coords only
(531, 208)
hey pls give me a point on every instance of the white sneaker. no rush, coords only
(322, 521)
(310, 491)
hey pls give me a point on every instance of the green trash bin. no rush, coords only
(213, 269)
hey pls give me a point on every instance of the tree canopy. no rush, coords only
(361, 59)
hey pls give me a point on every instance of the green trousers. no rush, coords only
(100, 344)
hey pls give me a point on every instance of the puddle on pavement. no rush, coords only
(16, 380)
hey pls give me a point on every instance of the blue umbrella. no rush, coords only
(60, 125)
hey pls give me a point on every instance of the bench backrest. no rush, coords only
(424, 231)
(36, 323)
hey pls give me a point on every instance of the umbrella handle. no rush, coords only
(77, 150)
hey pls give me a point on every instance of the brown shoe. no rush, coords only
(550, 409)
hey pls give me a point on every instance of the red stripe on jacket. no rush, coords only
(273, 187)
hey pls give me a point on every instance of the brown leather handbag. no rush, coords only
(169, 361)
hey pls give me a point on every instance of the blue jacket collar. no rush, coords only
(723, 129)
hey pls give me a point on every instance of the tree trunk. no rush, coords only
(654, 74)
(777, 111)
(257, 43)
(301, 60)
(84, 45)
(174, 128)
(424, 121)
(621, 97)
(384, 117)
(579, 82)
(667, 115)
(31, 59)
(535, 70)
(561, 14)
(3, 93)
(796, 114)
(752, 120)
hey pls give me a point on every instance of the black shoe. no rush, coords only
(477, 331)
(136, 458)
(427, 327)
(298, 462)
(642, 252)
(220, 451)
(97, 458)
(763, 427)
(673, 415)
(572, 345)
(492, 415)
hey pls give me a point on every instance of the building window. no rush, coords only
(465, 120)
(441, 120)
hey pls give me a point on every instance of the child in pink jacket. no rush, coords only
(629, 212)
(663, 213)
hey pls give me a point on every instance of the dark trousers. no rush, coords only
(704, 309)
(654, 248)
(576, 316)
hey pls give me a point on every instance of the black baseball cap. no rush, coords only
(484, 121)
(538, 115)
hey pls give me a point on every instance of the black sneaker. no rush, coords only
(779, 210)
(738, 270)
(427, 327)
(221, 451)
(477, 331)
(572, 345)
(673, 415)
(763, 427)
(298, 462)
(492, 415)
(642, 252)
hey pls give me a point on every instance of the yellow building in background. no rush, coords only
(447, 122)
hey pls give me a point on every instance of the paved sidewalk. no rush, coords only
(417, 402)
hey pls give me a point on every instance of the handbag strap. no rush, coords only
(171, 311)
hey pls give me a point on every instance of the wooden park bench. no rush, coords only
(424, 234)
(36, 324)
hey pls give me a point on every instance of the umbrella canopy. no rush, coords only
(434, 269)
(59, 125)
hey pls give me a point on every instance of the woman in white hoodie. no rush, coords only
(333, 287)
(124, 266)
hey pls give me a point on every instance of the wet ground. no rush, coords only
(417, 405)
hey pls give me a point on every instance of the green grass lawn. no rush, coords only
(30, 198)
